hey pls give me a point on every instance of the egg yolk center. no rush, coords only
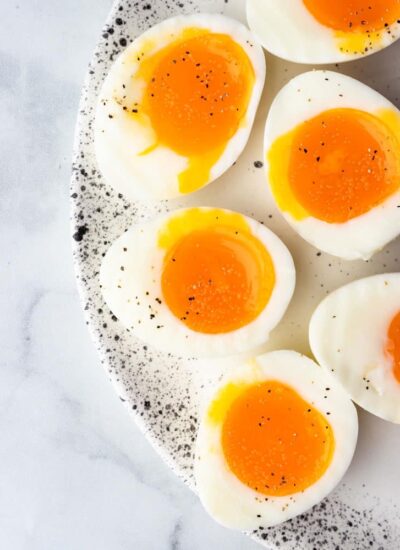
(354, 15)
(198, 93)
(217, 280)
(393, 344)
(342, 163)
(274, 441)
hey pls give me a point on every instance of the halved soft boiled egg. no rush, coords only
(177, 106)
(324, 31)
(275, 439)
(199, 282)
(355, 335)
(332, 152)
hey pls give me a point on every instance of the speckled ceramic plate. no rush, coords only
(164, 393)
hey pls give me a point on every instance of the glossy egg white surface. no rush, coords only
(136, 298)
(148, 381)
(128, 151)
(348, 336)
(225, 497)
(289, 30)
(301, 99)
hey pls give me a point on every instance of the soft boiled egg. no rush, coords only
(324, 31)
(199, 282)
(177, 106)
(355, 335)
(332, 154)
(274, 440)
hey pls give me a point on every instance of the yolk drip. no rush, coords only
(217, 279)
(337, 165)
(355, 15)
(274, 441)
(393, 344)
(197, 94)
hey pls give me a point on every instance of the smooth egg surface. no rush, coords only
(355, 335)
(324, 31)
(332, 154)
(199, 282)
(275, 439)
(177, 106)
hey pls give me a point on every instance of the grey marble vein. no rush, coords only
(175, 536)
(75, 471)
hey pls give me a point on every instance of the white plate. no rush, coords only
(165, 393)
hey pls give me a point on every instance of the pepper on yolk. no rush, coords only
(335, 166)
(196, 98)
(216, 280)
(274, 441)
(355, 15)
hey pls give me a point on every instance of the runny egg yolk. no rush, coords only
(217, 279)
(274, 441)
(197, 94)
(337, 165)
(355, 15)
(393, 344)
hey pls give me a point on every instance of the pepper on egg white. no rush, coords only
(275, 438)
(177, 106)
(199, 282)
(332, 159)
(324, 31)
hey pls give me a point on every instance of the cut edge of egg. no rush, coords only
(289, 31)
(134, 175)
(221, 491)
(285, 115)
(174, 336)
(371, 383)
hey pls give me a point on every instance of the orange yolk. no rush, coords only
(274, 441)
(216, 280)
(343, 163)
(355, 15)
(393, 344)
(337, 166)
(198, 93)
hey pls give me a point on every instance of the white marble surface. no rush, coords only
(75, 472)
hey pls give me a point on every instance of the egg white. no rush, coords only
(304, 97)
(119, 139)
(288, 30)
(348, 331)
(134, 294)
(234, 504)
